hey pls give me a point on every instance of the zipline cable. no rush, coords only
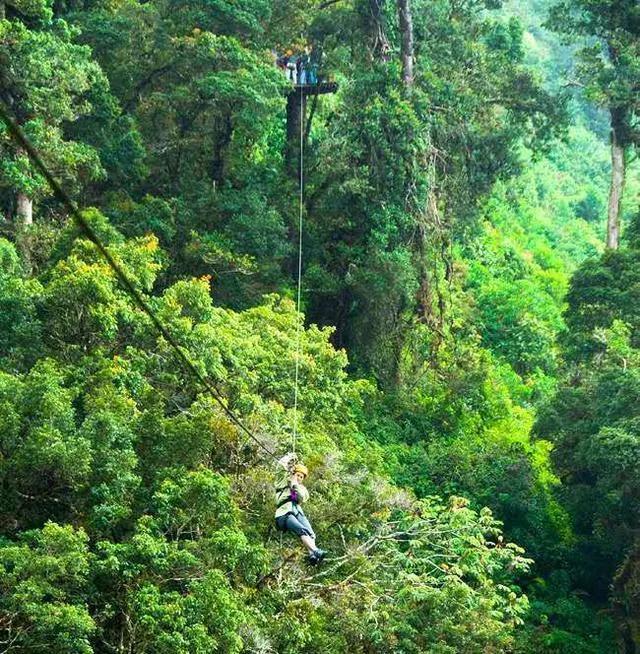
(22, 140)
(298, 303)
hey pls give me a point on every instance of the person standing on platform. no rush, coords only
(292, 62)
(305, 67)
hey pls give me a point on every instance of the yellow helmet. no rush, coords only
(301, 468)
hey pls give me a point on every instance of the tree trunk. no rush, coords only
(24, 220)
(617, 178)
(24, 209)
(379, 39)
(296, 113)
(406, 41)
(626, 602)
(2, 10)
(223, 139)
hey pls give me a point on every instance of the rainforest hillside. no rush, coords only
(400, 239)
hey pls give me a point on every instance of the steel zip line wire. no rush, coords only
(21, 139)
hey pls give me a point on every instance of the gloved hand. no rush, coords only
(288, 460)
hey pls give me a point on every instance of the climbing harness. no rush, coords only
(291, 496)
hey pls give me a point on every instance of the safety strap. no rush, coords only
(287, 499)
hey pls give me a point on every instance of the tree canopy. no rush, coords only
(461, 379)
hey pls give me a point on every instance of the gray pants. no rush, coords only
(297, 524)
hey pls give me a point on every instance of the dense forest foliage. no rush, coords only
(468, 342)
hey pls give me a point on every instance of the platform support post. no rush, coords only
(296, 113)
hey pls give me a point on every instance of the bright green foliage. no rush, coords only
(561, 622)
(46, 81)
(83, 304)
(207, 107)
(608, 33)
(459, 432)
(425, 596)
(518, 268)
(603, 290)
(44, 582)
(110, 435)
(438, 248)
(608, 61)
(40, 439)
(201, 86)
(492, 98)
(593, 423)
(397, 169)
(150, 215)
(520, 321)
(18, 313)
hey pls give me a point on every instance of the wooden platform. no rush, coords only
(315, 89)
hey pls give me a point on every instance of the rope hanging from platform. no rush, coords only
(299, 290)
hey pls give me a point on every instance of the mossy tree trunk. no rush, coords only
(617, 178)
(405, 22)
(24, 209)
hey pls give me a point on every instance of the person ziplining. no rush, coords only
(290, 490)
(290, 494)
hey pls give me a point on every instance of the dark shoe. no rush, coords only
(316, 556)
